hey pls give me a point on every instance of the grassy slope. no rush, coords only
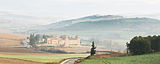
(153, 58)
(44, 58)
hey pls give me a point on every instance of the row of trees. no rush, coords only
(142, 45)
(35, 38)
(32, 40)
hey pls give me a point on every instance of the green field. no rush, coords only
(153, 58)
(44, 58)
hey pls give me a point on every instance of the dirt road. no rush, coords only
(16, 61)
(70, 61)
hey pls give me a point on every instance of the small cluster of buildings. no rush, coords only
(61, 41)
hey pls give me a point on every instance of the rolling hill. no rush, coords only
(107, 26)
(105, 30)
(83, 19)
(10, 39)
(10, 43)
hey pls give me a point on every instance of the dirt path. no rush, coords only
(16, 61)
(70, 61)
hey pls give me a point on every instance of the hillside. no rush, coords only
(114, 26)
(10, 43)
(139, 59)
(10, 39)
(124, 28)
(108, 26)
(83, 19)
(105, 30)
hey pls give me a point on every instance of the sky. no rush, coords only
(68, 9)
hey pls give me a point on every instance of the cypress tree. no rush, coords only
(93, 51)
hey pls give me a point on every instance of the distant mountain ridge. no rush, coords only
(83, 19)
(102, 16)
(123, 23)
(112, 19)
(109, 26)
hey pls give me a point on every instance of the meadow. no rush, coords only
(153, 58)
(43, 58)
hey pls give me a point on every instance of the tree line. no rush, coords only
(35, 38)
(142, 45)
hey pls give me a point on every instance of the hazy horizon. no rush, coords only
(69, 9)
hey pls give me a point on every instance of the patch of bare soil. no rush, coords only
(109, 55)
(10, 39)
(16, 61)
(21, 51)
(12, 36)
(82, 49)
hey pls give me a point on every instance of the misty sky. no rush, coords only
(67, 9)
